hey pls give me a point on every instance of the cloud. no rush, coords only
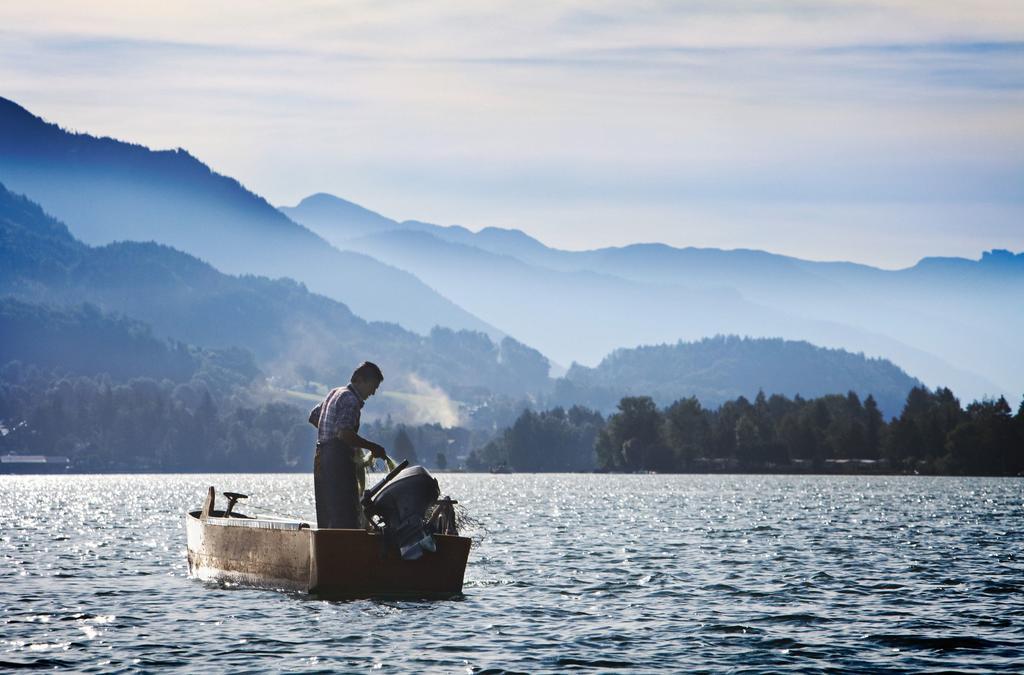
(498, 113)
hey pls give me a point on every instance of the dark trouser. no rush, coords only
(334, 485)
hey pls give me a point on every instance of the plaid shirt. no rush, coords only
(340, 410)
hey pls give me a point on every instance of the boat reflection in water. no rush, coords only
(404, 554)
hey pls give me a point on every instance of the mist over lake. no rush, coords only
(608, 572)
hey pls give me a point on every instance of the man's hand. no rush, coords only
(377, 450)
(356, 441)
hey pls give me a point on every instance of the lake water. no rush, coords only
(628, 573)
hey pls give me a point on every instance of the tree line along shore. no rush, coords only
(146, 424)
(933, 434)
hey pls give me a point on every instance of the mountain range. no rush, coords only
(82, 297)
(293, 333)
(949, 321)
(116, 191)
(162, 238)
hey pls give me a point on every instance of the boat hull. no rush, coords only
(272, 558)
(330, 563)
(373, 569)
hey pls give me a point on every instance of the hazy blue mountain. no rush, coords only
(944, 320)
(583, 315)
(719, 369)
(578, 316)
(290, 330)
(340, 221)
(294, 332)
(336, 219)
(952, 308)
(110, 191)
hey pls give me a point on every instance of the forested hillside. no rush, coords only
(294, 334)
(145, 424)
(82, 340)
(718, 369)
(105, 392)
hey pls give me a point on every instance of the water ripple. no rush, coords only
(575, 573)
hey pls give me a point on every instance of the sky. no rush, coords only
(879, 132)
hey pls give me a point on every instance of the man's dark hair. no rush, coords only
(368, 371)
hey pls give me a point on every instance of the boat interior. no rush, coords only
(228, 515)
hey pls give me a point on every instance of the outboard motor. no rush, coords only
(399, 503)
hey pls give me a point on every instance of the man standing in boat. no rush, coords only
(334, 470)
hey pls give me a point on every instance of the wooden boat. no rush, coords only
(332, 563)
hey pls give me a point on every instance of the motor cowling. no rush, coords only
(399, 507)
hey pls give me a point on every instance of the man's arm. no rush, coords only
(355, 440)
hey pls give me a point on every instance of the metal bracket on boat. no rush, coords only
(233, 498)
(442, 519)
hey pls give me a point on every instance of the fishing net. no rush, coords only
(447, 516)
(469, 526)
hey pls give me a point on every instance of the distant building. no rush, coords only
(34, 464)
